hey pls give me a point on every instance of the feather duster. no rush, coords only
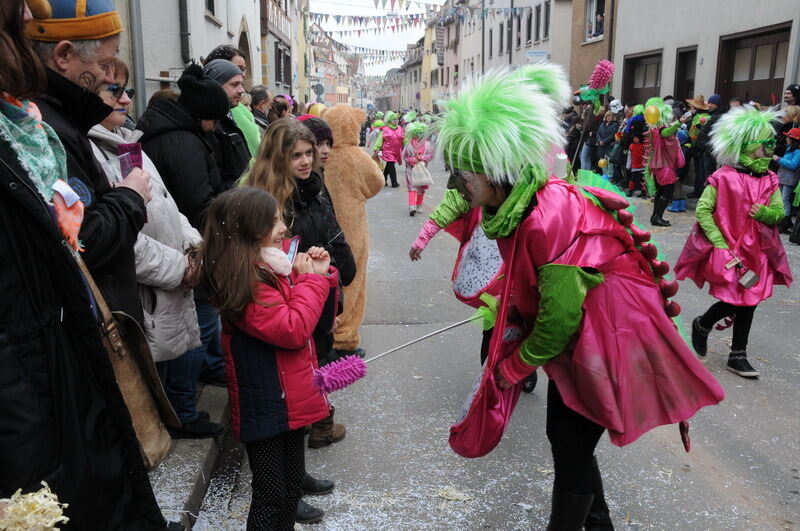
(497, 125)
(602, 74)
(738, 127)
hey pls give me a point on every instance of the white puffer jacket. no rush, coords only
(170, 320)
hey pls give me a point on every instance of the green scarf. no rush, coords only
(509, 215)
(36, 145)
(755, 165)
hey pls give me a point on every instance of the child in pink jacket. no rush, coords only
(418, 150)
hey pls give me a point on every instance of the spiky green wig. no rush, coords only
(551, 80)
(498, 124)
(390, 117)
(737, 130)
(638, 109)
(416, 130)
(666, 116)
(410, 116)
(379, 114)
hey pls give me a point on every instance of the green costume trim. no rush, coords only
(378, 142)
(704, 212)
(245, 121)
(773, 213)
(670, 129)
(562, 290)
(503, 222)
(487, 313)
(452, 207)
(755, 165)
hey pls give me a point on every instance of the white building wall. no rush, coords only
(161, 34)
(671, 29)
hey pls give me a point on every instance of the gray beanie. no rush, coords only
(221, 71)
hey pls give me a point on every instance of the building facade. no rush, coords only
(732, 47)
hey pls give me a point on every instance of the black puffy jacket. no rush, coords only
(230, 151)
(62, 415)
(113, 217)
(183, 156)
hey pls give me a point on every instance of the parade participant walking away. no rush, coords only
(165, 270)
(270, 308)
(735, 246)
(351, 179)
(788, 175)
(288, 167)
(418, 150)
(587, 288)
(664, 156)
(390, 146)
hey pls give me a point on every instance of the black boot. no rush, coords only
(569, 510)
(657, 219)
(700, 338)
(316, 487)
(529, 383)
(598, 518)
(307, 514)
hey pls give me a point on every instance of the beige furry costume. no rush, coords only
(351, 177)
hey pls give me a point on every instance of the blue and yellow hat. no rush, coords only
(73, 20)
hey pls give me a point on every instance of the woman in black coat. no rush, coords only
(63, 417)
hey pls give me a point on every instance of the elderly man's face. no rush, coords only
(91, 73)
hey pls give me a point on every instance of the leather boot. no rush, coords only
(326, 432)
(598, 518)
(569, 510)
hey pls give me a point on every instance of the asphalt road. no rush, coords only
(395, 469)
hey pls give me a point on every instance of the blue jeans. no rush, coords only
(586, 157)
(208, 319)
(179, 377)
(787, 193)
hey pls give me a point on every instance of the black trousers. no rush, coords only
(391, 172)
(278, 466)
(741, 324)
(662, 198)
(573, 439)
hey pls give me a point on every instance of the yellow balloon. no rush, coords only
(652, 115)
(316, 109)
(602, 163)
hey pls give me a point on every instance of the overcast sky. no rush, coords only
(383, 40)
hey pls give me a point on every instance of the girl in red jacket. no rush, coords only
(269, 309)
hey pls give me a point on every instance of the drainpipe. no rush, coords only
(483, 38)
(137, 54)
(513, 21)
(183, 14)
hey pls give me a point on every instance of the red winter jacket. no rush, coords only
(270, 358)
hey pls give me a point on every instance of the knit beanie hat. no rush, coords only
(204, 98)
(318, 126)
(716, 99)
(221, 70)
(73, 20)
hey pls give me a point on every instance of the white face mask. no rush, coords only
(276, 260)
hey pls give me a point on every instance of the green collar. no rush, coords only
(509, 215)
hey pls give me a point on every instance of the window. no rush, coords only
(528, 27)
(595, 19)
(500, 48)
(546, 30)
(538, 19)
(519, 30)
(210, 6)
(491, 42)
(278, 64)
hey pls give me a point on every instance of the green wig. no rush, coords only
(739, 131)
(638, 109)
(416, 130)
(499, 124)
(666, 116)
(379, 115)
(551, 81)
(378, 123)
(390, 117)
(410, 116)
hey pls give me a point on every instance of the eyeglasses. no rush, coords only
(117, 90)
(769, 143)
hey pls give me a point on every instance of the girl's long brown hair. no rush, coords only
(271, 170)
(236, 225)
(21, 72)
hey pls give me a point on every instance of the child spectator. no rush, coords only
(635, 166)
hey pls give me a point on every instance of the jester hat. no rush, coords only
(504, 121)
(73, 20)
(741, 131)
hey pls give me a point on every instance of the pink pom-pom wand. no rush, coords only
(602, 74)
(339, 374)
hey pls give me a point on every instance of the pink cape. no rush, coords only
(757, 244)
(666, 157)
(627, 368)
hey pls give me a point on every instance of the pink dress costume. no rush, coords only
(625, 366)
(392, 146)
(757, 244)
(416, 151)
(665, 157)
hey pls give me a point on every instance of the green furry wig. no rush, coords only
(665, 110)
(416, 130)
(736, 132)
(638, 109)
(379, 114)
(390, 117)
(410, 116)
(503, 122)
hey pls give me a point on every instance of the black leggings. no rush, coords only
(391, 172)
(741, 325)
(665, 191)
(278, 466)
(573, 439)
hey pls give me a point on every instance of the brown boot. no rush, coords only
(326, 432)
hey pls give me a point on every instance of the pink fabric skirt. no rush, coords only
(665, 176)
(631, 371)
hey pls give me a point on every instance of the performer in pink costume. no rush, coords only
(418, 149)
(390, 146)
(735, 245)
